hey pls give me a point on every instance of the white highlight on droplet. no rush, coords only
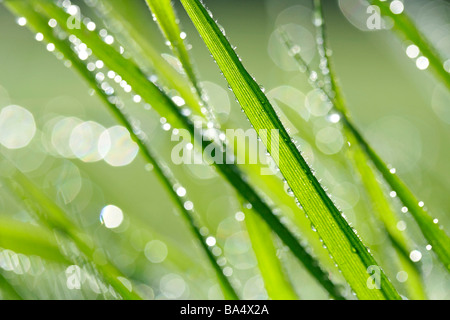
(239, 216)
(109, 39)
(52, 23)
(334, 118)
(17, 127)
(137, 98)
(415, 255)
(111, 216)
(422, 63)
(72, 10)
(412, 51)
(39, 36)
(181, 192)
(51, 47)
(396, 7)
(188, 205)
(91, 26)
(21, 21)
(179, 101)
(211, 241)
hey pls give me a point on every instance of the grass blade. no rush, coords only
(52, 216)
(167, 20)
(277, 195)
(162, 69)
(277, 285)
(161, 170)
(29, 240)
(435, 235)
(9, 292)
(382, 207)
(346, 248)
(405, 26)
(165, 106)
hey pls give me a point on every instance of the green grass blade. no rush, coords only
(435, 235)
(53, 217)
(406, 27)
(8, 290)
(163, 174)
(277, 285)
(168, 22)
(166, 18)
(29, 240)
(343, 244)
(165, 72)
(382, 208)
(166, 107)
(169, 181)
(195, 101)
(384, 212)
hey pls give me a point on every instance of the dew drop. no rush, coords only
(396, 7)
(39, 36)
(422, 63)
(211, 241)
(412, 51)
(111, 216)
(415, 255)
(21, 21)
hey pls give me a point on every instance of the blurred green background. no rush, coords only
(404, 112)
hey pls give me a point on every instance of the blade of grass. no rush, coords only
(163, 174)
(277, 285)
(343, 244)
(9, 292)
(382, 207)
(168, 179)
(53, 217)
(436, 236)
(167, 20)
(161, 170)
(165, 106)
(406, 27)
(384, 212)
(163, 70)
(143, 47)
(29, 240)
